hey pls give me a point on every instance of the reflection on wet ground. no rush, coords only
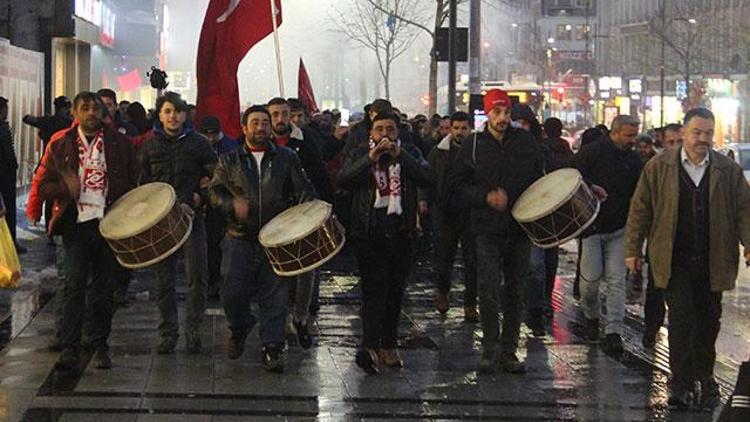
(568, 378)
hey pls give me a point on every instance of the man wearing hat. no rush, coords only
(491, 171)
(210, 127)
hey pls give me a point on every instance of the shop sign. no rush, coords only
(108, 26)
(90, 10)
(719, 87)
(635, 86)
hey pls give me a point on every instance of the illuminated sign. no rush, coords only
(90, 10)
(100, 14)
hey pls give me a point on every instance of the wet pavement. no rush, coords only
(568, 379)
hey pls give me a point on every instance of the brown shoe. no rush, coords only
(441, 302)
(471, 314)
(390, 358)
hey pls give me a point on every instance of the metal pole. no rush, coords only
(662, 87)
(452, 58)
(475, 61)
(279, 69)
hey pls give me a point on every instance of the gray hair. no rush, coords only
(624, 120)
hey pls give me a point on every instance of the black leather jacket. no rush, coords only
(282, 184)
(182, 162)
(356, 177)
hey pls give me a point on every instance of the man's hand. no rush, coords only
(497, 199)
(241, 208)
(633, 263)
(422, 207)
(395, 150)
(599, 192)
(747, 258)
(381, 147)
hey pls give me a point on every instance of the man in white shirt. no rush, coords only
(693, 206)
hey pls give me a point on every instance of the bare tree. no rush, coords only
(373, 24)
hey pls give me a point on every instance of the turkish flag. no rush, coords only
(230, 29)
(304, 89)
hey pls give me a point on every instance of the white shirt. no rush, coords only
(695, 172)
(258, 155)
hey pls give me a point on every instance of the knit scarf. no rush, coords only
(92, 172)
(387, 179)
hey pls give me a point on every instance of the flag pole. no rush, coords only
(279, 70)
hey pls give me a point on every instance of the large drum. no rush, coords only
(302, 238)
(146, 225)
(556, 208)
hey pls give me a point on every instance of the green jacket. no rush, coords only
(653, 216)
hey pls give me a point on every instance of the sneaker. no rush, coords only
(509, 363)
(442, 303)
(367, 359)
(102, 360)
(166, 345)
(591, 329)
(488, 362)
(304, 338)
(236, 344)
(390, 358)
(535, 322)
(613, 344)
(272, 356)
(680, 399)
(68, 361)
(471, 314)
(710, 396)
(193, 343)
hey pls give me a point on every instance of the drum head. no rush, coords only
(294, 223)
(546, 195)
(138, 210)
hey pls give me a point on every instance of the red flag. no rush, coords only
(304, 89)
(230, 29)
(129, 81)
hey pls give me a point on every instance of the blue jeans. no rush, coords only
(603, 260)
(248, 276)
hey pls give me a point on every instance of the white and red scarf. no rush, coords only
(92, 172)
(388, 183)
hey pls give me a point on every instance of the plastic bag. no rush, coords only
(10, 266)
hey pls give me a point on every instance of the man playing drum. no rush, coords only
(383, 175)
(252, 185)
(86, 172)
(182, 158)
(491, 171)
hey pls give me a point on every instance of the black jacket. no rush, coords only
(8, 161)
(356, 177)
(48, 125)
(182, 162)
(283, 183)
(484, 164)
(441, 160)
(304, 143)
(617, 171)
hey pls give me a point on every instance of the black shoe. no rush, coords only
(102, 360)
(303, 334)
(710, 397)
(166, 345)
(509, 363)
(591, 329)
(236, 345)
(680, 399)
(68, 361)
(272, 356)
(367, 360)
(612, 344)
(535, 322)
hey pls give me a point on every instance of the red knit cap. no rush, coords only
(495, 97)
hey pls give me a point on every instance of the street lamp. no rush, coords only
(551, 40)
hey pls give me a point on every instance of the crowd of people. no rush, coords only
(396, 184)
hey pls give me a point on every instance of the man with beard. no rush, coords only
(383, 173)
(491, 171)
(113, 117)
(693, 206)
(452, 221)
(86, 172)
(287, 134)
(182, 158)
(252, 185)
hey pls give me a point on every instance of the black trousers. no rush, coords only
(383, 266)
(653, 307)
(215, 225)
(448, 233)
(694, 322)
